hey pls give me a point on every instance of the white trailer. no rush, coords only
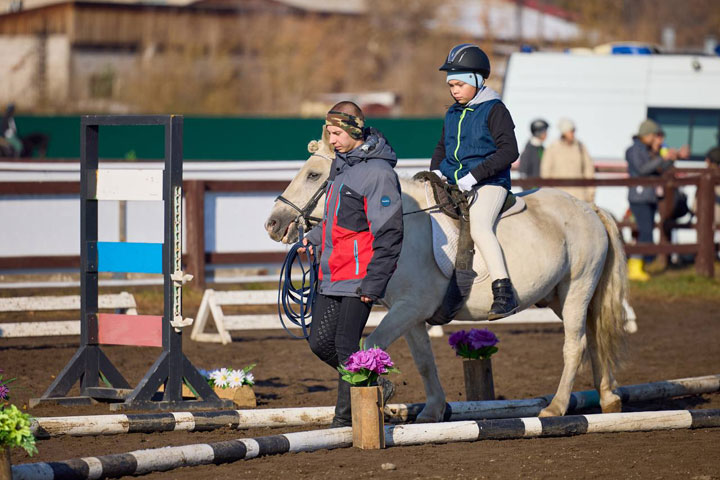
(607, 96)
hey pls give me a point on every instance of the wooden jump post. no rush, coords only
(168, 458)
(90, 365)
(304, 416)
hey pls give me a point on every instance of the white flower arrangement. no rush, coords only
(228, 377)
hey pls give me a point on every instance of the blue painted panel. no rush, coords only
(129, 257)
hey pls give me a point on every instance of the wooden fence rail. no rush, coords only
(197, 258)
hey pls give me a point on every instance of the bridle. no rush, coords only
(304, 212)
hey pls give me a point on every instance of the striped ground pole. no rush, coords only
(45, 427)
(168, 458)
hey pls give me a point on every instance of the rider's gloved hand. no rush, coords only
(467, 182)
(439, 174)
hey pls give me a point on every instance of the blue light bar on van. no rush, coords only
(631, 50)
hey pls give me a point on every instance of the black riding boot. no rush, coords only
(343, 415)
(504, 302)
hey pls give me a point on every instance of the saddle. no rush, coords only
(451, 201)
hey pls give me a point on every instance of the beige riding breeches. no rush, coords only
(483, 219)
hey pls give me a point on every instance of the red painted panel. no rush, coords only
(136, 330)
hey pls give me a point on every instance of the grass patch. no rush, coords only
(678, 283)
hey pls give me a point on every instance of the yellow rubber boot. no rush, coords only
(635, 270)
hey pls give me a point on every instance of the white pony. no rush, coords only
(560, 252)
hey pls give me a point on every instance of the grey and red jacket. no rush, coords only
(362, 228)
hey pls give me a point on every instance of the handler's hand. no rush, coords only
(307, 247)
(365, 299)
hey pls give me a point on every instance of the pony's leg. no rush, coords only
(404, 319)
(419, 343)
(603, 378)
(574, 300)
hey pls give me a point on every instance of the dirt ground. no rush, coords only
(675, 339)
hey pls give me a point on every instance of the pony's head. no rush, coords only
(281, 225)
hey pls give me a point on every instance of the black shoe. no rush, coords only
(338, 422)
(504, 302)
(343, 414)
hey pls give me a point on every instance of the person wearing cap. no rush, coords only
(643, 199)
(532, 155)
(475, 151)
(358, 240)
(568, 158)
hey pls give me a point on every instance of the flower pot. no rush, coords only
(478, 379)
(5, 467)
(367, 417)
(243, 397)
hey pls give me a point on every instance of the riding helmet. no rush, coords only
(467, 57)
(538, 126)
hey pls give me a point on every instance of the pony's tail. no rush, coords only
(607, 315)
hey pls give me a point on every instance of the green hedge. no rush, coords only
(225, 138)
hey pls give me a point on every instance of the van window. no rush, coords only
(700, 129)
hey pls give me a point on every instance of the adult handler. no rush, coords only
(359, 241)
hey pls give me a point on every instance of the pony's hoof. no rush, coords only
(429, 417)
(421, 419)
(613, 406)
(551, 411)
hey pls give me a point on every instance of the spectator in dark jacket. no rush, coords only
(643, 199)
(532, 155)
(359, 241)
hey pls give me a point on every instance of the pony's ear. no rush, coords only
(326, 139)
(313, 146)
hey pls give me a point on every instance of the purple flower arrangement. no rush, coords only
(474, 344)
(4, 389)
(365, 366)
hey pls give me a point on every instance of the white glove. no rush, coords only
(466, 183)
(439, 174)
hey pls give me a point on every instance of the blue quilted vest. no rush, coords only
(468, 142)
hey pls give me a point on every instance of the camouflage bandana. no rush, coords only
(350, 123)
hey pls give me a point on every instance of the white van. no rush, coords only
(607, 96)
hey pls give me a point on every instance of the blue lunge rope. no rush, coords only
(296, 302)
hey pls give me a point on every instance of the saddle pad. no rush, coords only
(445, 237)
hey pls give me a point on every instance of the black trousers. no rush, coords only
(337, 325)
(645, 219)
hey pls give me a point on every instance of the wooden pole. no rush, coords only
(195, 230)
(478, 379)
(367, 417)
(44, 427)
(169, 458)
(704, 262)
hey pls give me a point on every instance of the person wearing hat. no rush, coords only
(568, 158)
(532, 154)
(643, 199)
(475, 151)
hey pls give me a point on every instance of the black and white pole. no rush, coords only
(44, 427)
(168, 458)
